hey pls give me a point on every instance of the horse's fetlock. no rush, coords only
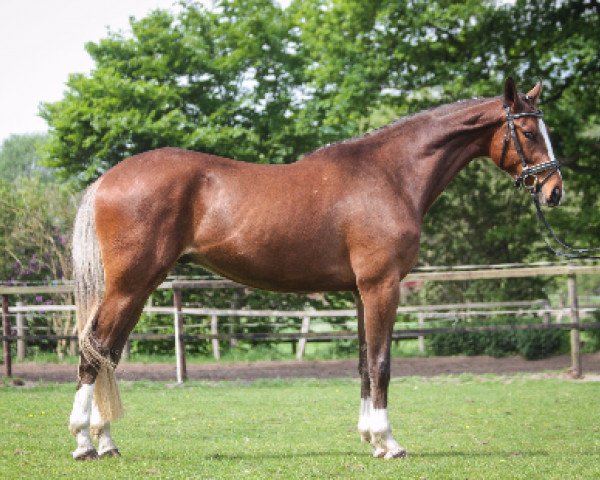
(96, 431)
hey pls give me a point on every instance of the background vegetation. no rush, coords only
(257, 82)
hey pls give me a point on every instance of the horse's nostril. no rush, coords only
(555, 196)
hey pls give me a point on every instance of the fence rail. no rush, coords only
(540, 308)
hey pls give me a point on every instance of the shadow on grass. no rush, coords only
(490, 453)
(348, 453)
(266, 455)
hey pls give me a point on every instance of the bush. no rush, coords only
(591, 338)
(531, 344)
(536, 344)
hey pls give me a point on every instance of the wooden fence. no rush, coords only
(538, 308)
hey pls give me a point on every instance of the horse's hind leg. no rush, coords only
(79, 422)
(117, 315)
(100, 429)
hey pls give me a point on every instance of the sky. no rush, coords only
(42, 42)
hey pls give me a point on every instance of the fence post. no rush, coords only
(421, 318)
(547, 314)
(6, 333)
(179, 344)
(126, 350)
(576, 367)
(21, 332)
(214, 330)
(302, 341)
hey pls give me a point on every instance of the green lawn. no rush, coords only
(453, 427)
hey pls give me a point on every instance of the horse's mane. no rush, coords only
(423, 115)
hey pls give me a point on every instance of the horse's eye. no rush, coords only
(529, 135)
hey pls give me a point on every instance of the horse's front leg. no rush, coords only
(366, 403)
(380, 299)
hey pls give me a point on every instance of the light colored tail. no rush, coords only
(88, 275)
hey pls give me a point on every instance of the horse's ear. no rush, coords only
(510, 94)
(534, 93)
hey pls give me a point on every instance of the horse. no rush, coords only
(346, 217)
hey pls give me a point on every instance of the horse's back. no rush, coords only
(265, 225)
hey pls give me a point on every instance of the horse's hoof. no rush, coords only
(379, 453)
(91, 454)
(111, 453)
(400, 453)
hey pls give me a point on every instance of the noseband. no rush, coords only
(529, 171)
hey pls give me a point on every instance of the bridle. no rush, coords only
(528, 176)
(528, 179)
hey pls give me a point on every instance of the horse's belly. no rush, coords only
(279, 269)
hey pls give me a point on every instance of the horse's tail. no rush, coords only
(88, 276)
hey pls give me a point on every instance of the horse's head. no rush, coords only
(522, 147)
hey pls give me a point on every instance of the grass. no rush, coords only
(453, 427)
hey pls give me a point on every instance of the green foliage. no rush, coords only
(530, 344)
(36, 216)
(20, 157)
(536, 344)
(591, 338)
(220, 82)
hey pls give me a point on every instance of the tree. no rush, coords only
(35, 229)
(255, 82)
(20, 156)
(220, 82)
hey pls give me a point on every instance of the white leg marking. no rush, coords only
(105, 441)
(381, 436)
(364, 419)
(79, 421)
(101, 430)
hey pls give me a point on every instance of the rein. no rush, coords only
(528, 179)
(572, 252)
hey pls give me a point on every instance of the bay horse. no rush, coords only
(346, 217)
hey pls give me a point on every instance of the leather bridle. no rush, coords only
(528, 177)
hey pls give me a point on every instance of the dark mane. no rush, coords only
(439, 111)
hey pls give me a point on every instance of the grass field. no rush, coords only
(453, 427)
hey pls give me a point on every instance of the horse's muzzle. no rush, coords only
(554, 199)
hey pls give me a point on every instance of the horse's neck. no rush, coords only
(435, 150)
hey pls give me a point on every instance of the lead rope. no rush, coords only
(576, 252)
